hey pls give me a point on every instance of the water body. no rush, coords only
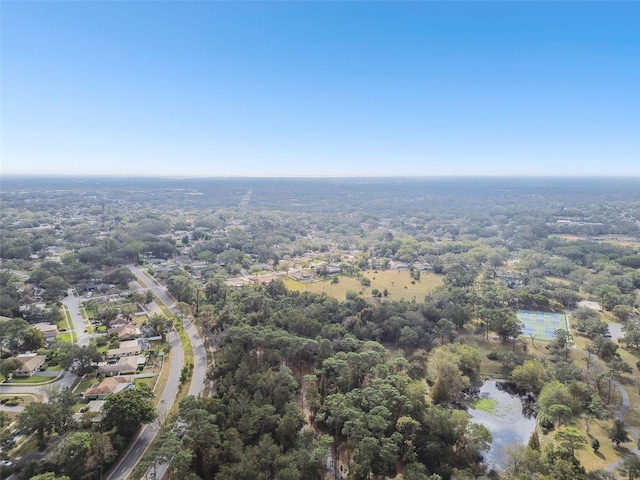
(508, 422)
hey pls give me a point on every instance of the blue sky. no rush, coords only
(320, 88)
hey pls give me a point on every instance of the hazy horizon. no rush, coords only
(320, 89)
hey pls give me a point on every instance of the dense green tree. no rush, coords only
(617, 433)
(12, 330)
(128, 409)
(571, 439)
(8, 366)
(49, 476)
(71, 453)
(32, 339)
(531, 375)
(80, 359)
(588, 322)
(604, 347)
(39, 419)
(101, 453)
(631, 467)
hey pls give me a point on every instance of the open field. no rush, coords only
(622, 240)
(563, 280)
(398, 284)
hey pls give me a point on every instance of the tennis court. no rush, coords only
(542, 324)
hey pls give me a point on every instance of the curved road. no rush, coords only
(199, 352)
(43, 390)
(620, 413)
(128, 462)
(146, 435)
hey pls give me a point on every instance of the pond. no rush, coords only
(503, 414)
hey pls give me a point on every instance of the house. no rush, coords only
(157, 261)
(142, 342)
(107, 387)
(125, 331)
(124, 366)
(31, 363)
(49, 331)
(99, 287)
(123, 352)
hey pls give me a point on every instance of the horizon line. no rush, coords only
(186, 177)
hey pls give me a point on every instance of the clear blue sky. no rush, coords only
(322, 89)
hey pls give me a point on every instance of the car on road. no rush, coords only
(6, 463)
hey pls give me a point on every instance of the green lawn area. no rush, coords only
(146, 381)
(54, 368)
(31, 379)
(398, 284)
(64, 337)
(84, 384)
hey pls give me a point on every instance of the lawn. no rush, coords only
(64, 337)
(399, 285)
(149, 381)
(85, 384)
(31, 379)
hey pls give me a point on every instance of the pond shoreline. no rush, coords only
(511, 418)
(527, 398)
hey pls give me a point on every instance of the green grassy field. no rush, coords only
(398, 284)
(31, 379)
(64, 337)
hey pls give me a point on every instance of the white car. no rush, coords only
(6, 463)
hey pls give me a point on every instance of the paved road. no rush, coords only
(199, 352)
(130, 459)
(632, 431)
(72, 304)
(44, 390)
(146, 435)
(620, 413)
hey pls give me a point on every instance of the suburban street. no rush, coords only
(72, 305)
(146, 435)
(199, 353)
(128, 462)
(66, 380)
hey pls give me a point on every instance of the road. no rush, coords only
(43, 391)
(146, 435)
(128, 462)
(620, 413)
(72, 305)
(199, 352)
(632, 431)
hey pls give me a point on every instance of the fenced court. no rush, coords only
(542, 324)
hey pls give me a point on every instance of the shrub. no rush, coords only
(493, 355)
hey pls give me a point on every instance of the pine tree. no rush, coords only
(618, 434)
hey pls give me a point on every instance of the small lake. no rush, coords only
(506, 422)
